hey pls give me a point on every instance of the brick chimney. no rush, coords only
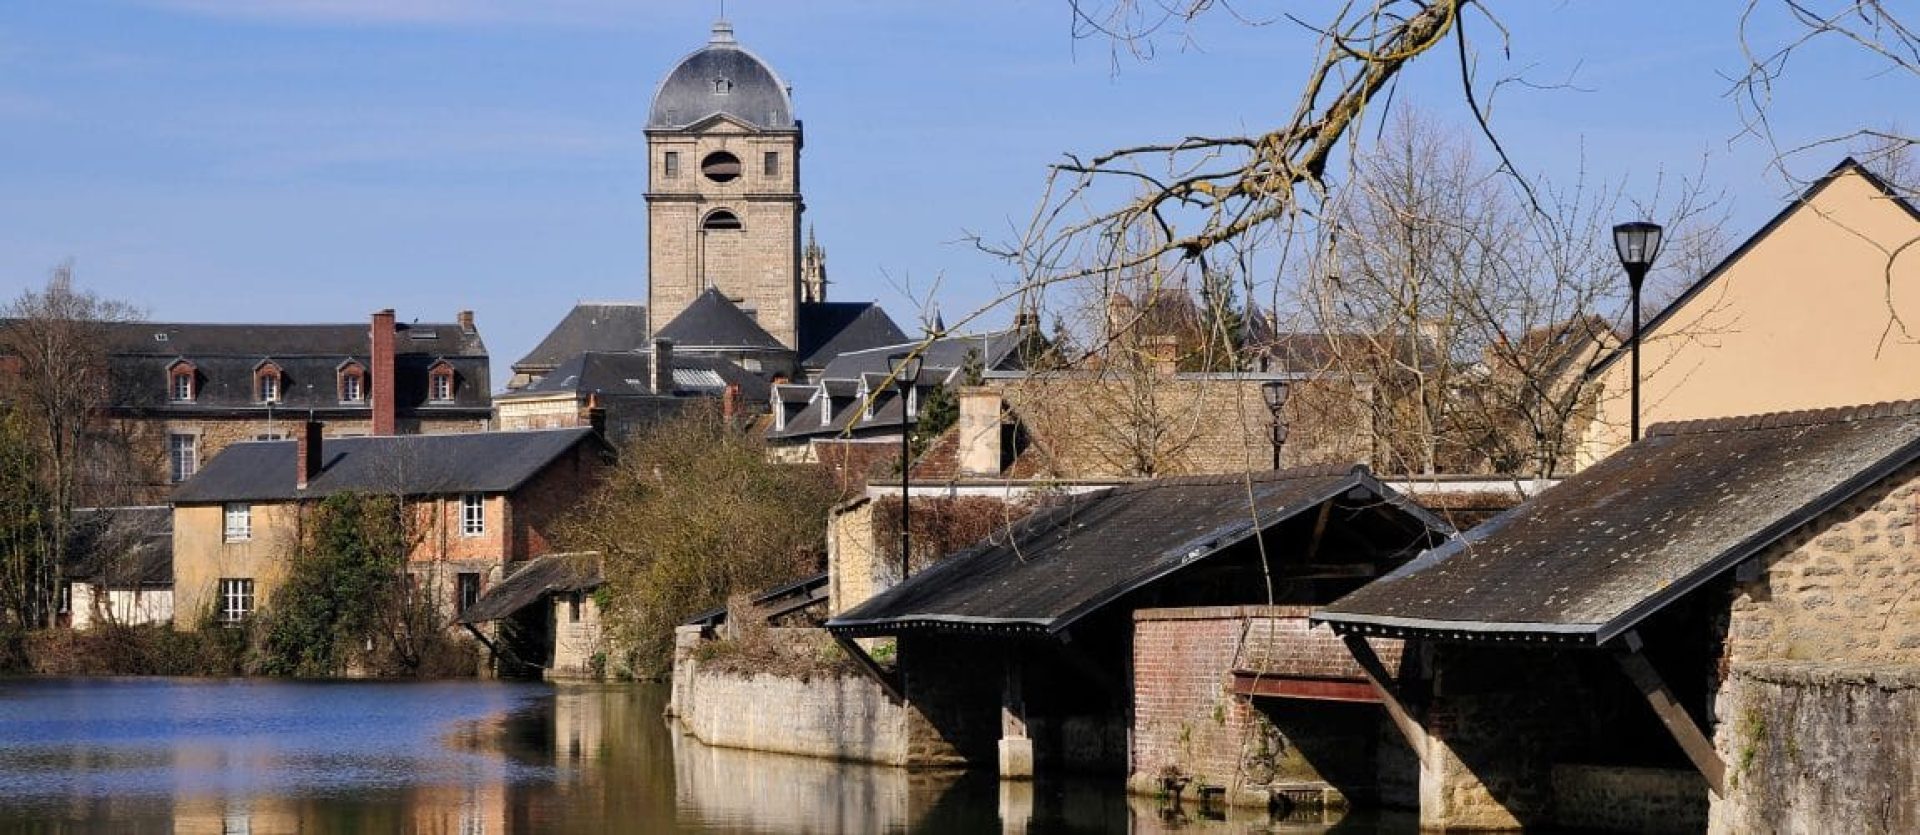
(730, 402)
(466, 322)
(980, 451)
(596, 415)
(662, 366)
(307, 458)
(1163, 353)
(384, 421)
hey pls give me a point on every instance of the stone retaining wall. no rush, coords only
(1814, 747)
(1628, 799)
(841, 718)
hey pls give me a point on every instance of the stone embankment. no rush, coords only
(842, 717)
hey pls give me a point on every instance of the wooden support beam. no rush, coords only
(1679, 723)
(1369, 662)
(1319, 530)
(871, 667)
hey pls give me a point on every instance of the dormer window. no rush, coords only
(352, 382)
(722, 87)
(267, 383)
(440, 382)
(181, 387)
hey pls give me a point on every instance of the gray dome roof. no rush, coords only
(722, 78)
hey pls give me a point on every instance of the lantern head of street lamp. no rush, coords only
(1637, 243)
(905, 368)
(1275, 393)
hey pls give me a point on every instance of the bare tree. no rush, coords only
(54, 343)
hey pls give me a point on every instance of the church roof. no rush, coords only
(722, 78)
(590, 326)
(829, 329)
(712, 321)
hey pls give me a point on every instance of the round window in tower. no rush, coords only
(720, 167)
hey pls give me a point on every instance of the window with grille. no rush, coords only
(352, 387)
(182, 390)
(269, 388)
(440, 384)
(236, 599)
(239, 517)
(473, 514)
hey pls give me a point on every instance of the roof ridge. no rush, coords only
(1776, 420)
(1250, 477)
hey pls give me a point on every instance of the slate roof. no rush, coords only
(1588, 559)
(224, 357)
(541, 576)
(121, 547)
(413, 465)
(1069, 559)
(590, 326)
(713, 321)
(998, 350)
(630, 374)
(829, 329)
(756, 96)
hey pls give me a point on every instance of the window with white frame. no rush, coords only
(183, 456)
(180, 385)
(239, 527)
(236, 599)
(440, 383)
(269, 383)
(352, 386)
(473, 514)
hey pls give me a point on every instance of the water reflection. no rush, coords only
(192, 756)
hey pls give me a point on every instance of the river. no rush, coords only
(464, 758)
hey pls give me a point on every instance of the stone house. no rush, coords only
(1802, 315)
(1022, 651)
(181, 393)
(628, 390)
(555, 628)
(1716, 626)
(480, 504)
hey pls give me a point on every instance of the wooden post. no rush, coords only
(1679, 723)
(1377, 674)
(870, 667)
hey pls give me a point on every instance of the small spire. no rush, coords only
(722, 32)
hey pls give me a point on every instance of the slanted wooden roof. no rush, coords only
(1589, 559)
(1072, 558)
(551, 574)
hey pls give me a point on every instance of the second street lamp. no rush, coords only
(1275, 393)
(1637, 243)
(906, 372)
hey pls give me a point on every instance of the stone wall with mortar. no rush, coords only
(839, 718)
(1627, 799)
(1817, 747)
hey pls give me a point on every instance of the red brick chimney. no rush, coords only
(382, 372)
(730, 402)
(466, 322)
(307, 458)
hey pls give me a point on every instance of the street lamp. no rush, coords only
(1275, 393)
(906, 372)
(1637, 243)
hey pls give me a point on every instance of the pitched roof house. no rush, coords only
(1807, 313)
(1638, 602)
(478, 504)
(626, 390)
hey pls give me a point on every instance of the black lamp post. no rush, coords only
(906, 372)
(1275, 393)
(1637, 243)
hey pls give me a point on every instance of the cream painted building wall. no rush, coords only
(1820, 309)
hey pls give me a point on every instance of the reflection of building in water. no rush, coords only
(235, 816)
(778, 793)
(478, 808)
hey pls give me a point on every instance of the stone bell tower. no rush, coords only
(723, 197)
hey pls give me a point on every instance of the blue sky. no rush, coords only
(314, 160)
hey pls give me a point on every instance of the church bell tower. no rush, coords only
(723, 196)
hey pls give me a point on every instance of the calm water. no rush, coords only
(213, 756)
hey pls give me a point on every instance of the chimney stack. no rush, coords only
(1163, 352)
(662, 366)
(384, 420)
(596, 415)
(980, 449)
(307, 458)
(466, 322)
(730, 402)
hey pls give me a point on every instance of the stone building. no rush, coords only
(478, 503)
(119, 567)
(727, 275)
(1717, 625)
(626, 391)
(182, 393)
(1021, 651)
(1802, 315)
